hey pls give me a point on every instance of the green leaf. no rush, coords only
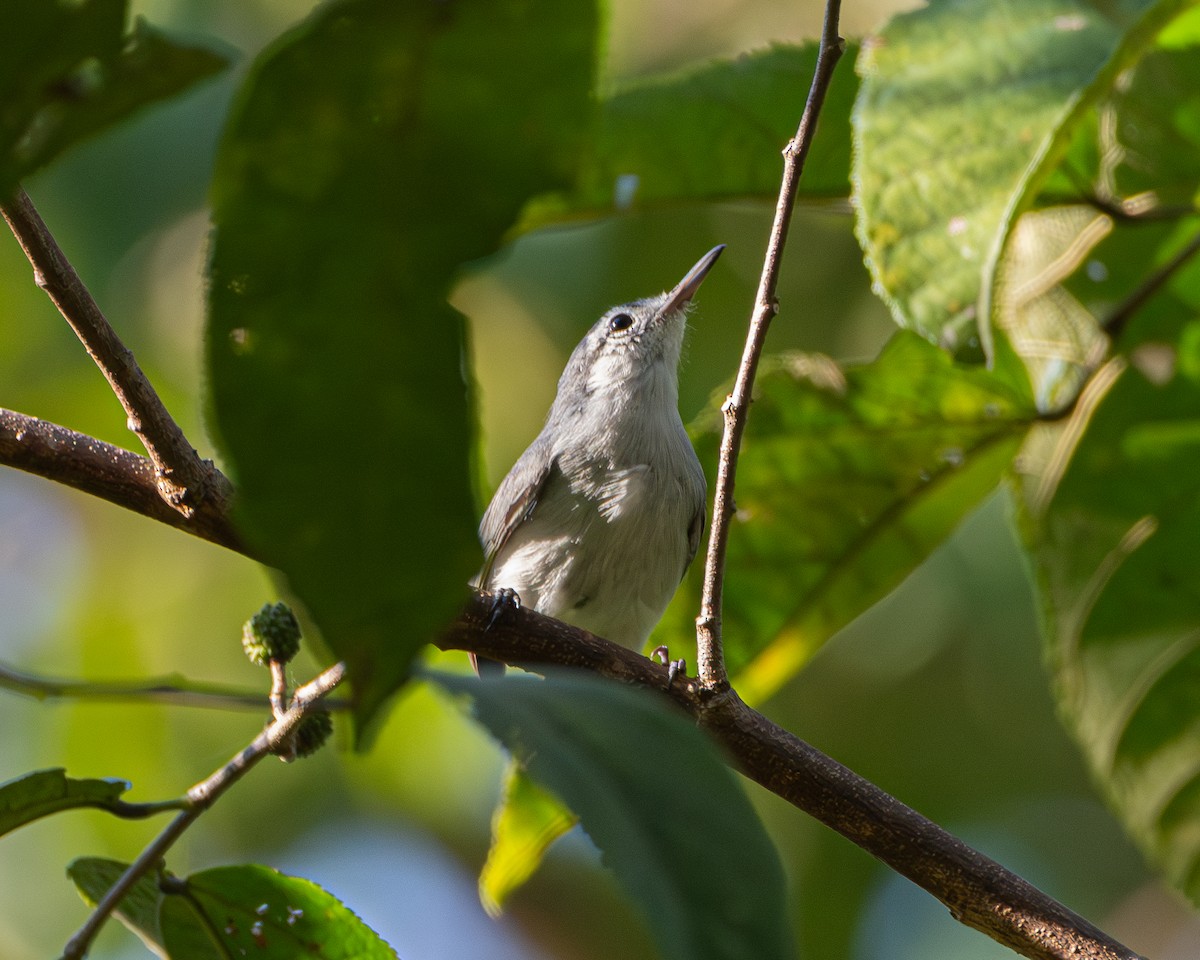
(1115, 551)
(848, 479)
(964, 108)
(69, 70)
(138, 909)
(375, 151)
(43, 792)
(527, 821)
(712, 132)
(251, 910)
(671, 819)
(1134, 148)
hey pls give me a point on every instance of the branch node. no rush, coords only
(146, 415)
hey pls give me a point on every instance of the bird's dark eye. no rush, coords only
(621, 321)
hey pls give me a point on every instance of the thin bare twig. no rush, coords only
(184, 481)
(174, 690)
(202, 796)
(978, 891)
(1114, 324)
(109, 472)
(711, 659)
(278, 696)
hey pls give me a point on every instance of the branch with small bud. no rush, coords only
(299, 729)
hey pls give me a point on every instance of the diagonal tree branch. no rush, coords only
(711, 659)
(183, 480)
(978, 891)
(109, 472)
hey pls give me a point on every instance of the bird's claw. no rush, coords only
(503, 600)
(675, 668)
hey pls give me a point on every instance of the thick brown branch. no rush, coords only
(737, 407)
(183, 480)
(978, 891)
(106, 471)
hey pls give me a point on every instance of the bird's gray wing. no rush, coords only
(695, 532)
(513, 502)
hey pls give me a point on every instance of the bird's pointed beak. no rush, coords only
(687, 287)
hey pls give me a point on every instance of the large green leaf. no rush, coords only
(848, 479)
(251, 910)
(1114, 512)
(1115, 551)
(670, 817)
(965, 106)
(68, 70)
(713, 132)
(43, 792)
(374, 151)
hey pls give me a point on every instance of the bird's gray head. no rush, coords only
(634, 346)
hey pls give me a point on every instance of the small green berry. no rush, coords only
(312, 733)
(271, 634)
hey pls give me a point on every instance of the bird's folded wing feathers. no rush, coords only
(513, 502)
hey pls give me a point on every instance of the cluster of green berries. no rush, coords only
(273, 634)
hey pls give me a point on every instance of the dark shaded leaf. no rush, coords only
(69, 70)
(43, 792)
(374, 152)
(138, 910)
(671, 818)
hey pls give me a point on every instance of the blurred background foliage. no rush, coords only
(936, 694)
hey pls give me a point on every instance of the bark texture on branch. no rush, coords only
(108, 472)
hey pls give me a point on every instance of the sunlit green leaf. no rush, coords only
(848, 479)
(43, 792)
(527, 821)
(254, 911)
(368, 160)
(671, 819)
(964, 108)
(1115, 548)
(69, 70)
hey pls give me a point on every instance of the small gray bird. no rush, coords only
(601, 516)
